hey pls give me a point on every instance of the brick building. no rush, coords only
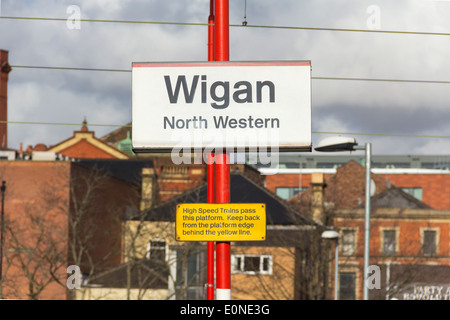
(84, 145)
(425, 177)
(407, 235)
(59, 213)
(271, 269)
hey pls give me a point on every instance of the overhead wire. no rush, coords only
(64, 123)
(238, 25)
(313, 77)
(70, 68)
(233, 25)
(313, 132)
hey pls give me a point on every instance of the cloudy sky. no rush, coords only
(392, 115)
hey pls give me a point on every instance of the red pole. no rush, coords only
(210, 244)
(222, 31)
(223, 265)
(210, 172)
(223, 269)
(211, 55)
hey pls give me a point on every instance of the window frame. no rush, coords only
(292, 191)
(165, 249)
(396, 248)
(352, 286)
(343, 244)
(436, 240)
(241, 269)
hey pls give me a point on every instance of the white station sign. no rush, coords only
(237, 106)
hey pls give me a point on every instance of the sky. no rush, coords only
(397, 117)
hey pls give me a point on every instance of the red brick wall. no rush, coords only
(287, 180)
(37, 190)
(25, 206)
(172, 184)
(409, 235)
(435, 187)
(408, 251)
(84, 149)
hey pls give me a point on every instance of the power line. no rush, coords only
(70, 68)
(236, 25)
(382, 134)
(347, 30)
(314, 78)
(65, 124)
(313, 132)
(108, 21)
(381, 80)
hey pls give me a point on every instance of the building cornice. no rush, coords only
(394, 213)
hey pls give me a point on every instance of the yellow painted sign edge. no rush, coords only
(260, 236)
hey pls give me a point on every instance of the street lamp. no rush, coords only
(333, 144)
(330, 234)
(2, 226)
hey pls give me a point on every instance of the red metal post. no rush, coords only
(222, 30)
(210, 173)
(210, 244)
(223, 265)
(211, 42)
(223, 257)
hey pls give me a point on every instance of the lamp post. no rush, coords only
(333, 144)
(2, 226)
(330, 234)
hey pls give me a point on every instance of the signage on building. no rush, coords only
(221, 222)
(424, 291)
(237, 106)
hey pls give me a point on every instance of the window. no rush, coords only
(415, 192)
(348, 242)
(252, 264)
(347, 286)
(287, 192)
(190, 274)
(432, 165)
(429, 242)
(157, 250)
(389, 242)
(329, 165)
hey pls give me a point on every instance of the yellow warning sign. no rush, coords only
(221, 222)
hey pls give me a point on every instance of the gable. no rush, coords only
(394, 197)
(345, 189)
(83, 149)
(85, 145)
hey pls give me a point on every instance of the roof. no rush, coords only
(282, 236)
(346, 190)
(242, 190)
(394, 197)
(128, 170)
(117, 135)
(84, 144)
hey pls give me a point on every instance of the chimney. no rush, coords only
(5, 68)
(317, 185)
(148, 188)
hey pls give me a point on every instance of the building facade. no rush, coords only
(425, 177)
(57, 214)
(407, 236)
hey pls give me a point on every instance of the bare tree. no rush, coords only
(75, 219)
(38, 252)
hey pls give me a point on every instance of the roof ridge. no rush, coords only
(275, 197)
(404, 194)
